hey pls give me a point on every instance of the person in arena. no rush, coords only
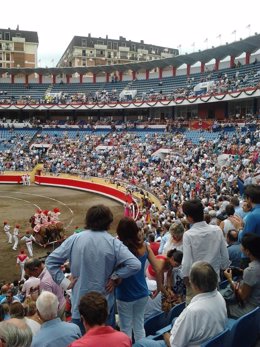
(93, 309)
(7, 232)
(29, 238)
(97, 261)
(20, 260)
(16, 236)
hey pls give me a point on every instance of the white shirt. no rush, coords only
(204, 317)
(28, 239)
(204, 242)
(32, 282)
(7, 228)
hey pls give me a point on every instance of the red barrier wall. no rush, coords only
(10, 179)
(84, 185)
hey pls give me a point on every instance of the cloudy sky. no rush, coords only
(192, 24)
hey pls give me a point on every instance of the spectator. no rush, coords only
(9, 298)
(248, 292)
(234, 249)
(93, 310)
(132, 293)
(232, 222)
(153, 245)
(202, 242)
(53, 331)
(17, 311)
(15, 333)
(96, 259)
(176, 239)
(35, 267)
(207, 307)
(252, 222)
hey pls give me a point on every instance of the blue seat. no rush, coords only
(162, 320)
(220, 340)
(244, 331)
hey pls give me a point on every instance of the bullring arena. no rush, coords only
(144, 139)
(19, 203)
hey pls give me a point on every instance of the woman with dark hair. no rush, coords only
(132, 293)
(232, 222)
(248, 291)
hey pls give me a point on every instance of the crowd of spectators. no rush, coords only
(200, 188)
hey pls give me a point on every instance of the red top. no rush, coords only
(102, 336)
(155, 247)
(150, 268)
(22, 257)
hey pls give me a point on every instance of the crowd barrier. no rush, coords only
(12, 179)
(88, 186)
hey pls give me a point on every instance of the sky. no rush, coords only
(185, 25)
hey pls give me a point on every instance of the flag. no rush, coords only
(219, 36)
(241, 186)
(193, 44)
(206, 40)
(234, 32)
(248, 26)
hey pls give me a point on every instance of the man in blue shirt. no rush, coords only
(97, 260)
(252, 222)
(54, 332)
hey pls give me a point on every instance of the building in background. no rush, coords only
(18, 48)
(92, 51)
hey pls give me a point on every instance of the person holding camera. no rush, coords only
(247, 292)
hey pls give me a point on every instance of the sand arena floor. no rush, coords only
(19, 203)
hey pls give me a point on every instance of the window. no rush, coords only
(100, 42)
(1, 46)
(115, 45)
(83, 42)
(7, 56)
(83, 52)
(109, 45)
(133, 47)
(7, 36)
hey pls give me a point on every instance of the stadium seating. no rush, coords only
(221, 340)
(244, 331)
(154, 325)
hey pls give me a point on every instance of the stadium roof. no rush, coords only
(29, 36)
(250, 45)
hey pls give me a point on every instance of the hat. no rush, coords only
(5, 222)
(17, 226)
